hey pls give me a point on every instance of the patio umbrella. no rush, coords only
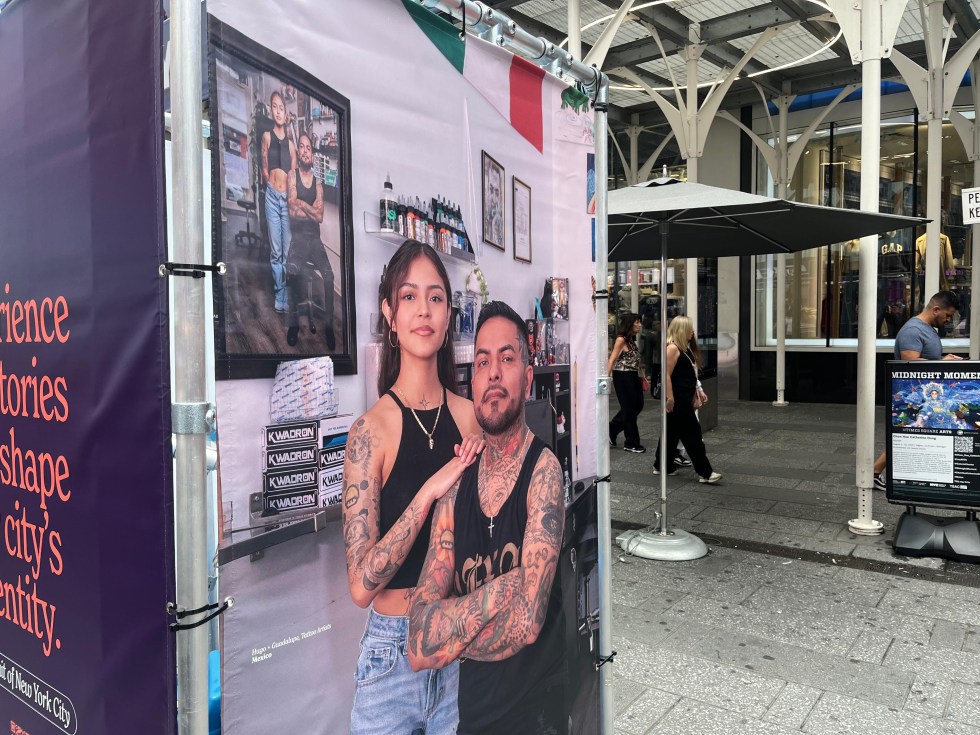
(650, 220)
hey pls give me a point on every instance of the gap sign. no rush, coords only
(971, 206)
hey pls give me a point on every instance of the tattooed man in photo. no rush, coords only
(485, 596)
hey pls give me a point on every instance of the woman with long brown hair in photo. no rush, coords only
(684, 396)
(624, 366)
(403, 455)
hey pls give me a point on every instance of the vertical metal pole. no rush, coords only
(871, 27)
(664, 236)
(634, 134)
(694, 156)
(934, 147)
(575, 28)
(975, 229)
(782, 182)
(607, 711)
(189, 376)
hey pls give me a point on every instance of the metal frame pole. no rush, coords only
(189, 365)
(607, 710)
(782, 183)
(871, 29)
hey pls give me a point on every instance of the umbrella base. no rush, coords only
(676, 545)
(865, 528)
(780, 404)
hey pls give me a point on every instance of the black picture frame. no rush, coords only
(494, 209)
(252, 335)
(521, 209)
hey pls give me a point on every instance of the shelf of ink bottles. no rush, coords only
(436, 222)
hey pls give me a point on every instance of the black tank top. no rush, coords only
(414, 464)
(684, 380)
(305, 194)
(279, 157)
(490, 690)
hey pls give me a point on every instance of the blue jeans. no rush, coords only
(277, 218)
(392, 699)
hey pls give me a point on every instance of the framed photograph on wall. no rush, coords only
(522, 220)
(494, 207)
(282, 213)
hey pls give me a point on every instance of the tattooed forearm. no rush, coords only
(372, 560)
(520, 625)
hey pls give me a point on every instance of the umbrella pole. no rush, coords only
(664, 544)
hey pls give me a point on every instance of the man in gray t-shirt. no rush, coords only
(918, 339)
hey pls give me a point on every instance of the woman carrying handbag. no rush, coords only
(684, 397)
(624, 366)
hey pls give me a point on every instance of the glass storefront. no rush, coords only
(822, 284)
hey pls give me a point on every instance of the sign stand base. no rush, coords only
(950, 538)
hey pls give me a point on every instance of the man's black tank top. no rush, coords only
(279, 157)
(414, 464)
(304, 194)
(489, 691)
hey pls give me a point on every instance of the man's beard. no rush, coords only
(305, 166)
(496, 423)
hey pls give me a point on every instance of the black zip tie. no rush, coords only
(600, 106)
(601, 294)
(603, 660)
(172, 609)
(191, 269)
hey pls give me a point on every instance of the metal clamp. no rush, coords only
(603, 660)
(600, 294)
(180, 614)
(190, 269)
(192, 418)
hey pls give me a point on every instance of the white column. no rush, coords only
(975, 229)
(782, 183)
(934, 146)
(634, 136)
(575, 28)
(871, 28)
(691, 264)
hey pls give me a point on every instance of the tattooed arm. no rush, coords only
(520, 624)
(372, 560)
(440, 628)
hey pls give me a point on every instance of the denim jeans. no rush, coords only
(277, 218)
(391, 698)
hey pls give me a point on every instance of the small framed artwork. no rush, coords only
(494, 214)
(522, 221)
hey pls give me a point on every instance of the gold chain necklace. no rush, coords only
(429, 434)
(520, 456)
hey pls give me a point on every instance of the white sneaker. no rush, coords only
(880, 482)
(711, 479)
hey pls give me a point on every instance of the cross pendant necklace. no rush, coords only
(490, 527)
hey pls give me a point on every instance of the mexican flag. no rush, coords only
(514, 86)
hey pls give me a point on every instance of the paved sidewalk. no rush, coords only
(791, 623)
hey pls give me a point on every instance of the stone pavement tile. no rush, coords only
(706, 529)
(776, 524)
(826, 491)
(625, 692)
(735, 690)
(912, 585)
(793, 705)
(871, 647)
(646, 711)
(886, 554)
(831, 511)
(971, 643)
(736, 478)
(829, 531)
(689, 511)
(841, 715)
(643, 626)
(662, 601)
(936, 670)
(830, 635)
(634, 593)
(696, 718)
(628, 504)
(721, 586)
(857, 617)
(964, 703)
(933, 606)
(632, 489)
(808, 543)
(777, 566)
(886, 685)
(947, 635)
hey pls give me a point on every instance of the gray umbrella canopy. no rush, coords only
(709, 222)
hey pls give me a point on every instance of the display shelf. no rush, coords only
(372, 226)
(545, 369)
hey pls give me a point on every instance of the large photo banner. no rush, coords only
(353, 104)
(85, 460)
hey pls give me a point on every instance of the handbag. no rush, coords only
(304, 389)
(655, 389)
